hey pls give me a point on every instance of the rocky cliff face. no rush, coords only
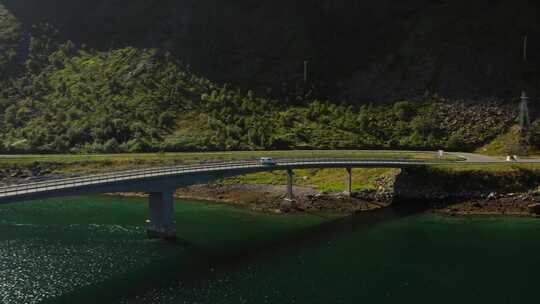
(357, 50)
(439, 184)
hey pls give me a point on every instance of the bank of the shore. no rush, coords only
(512, 191)
(271, 199)
(510, 204)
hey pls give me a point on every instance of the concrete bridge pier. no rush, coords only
(290, 180)
(161, 223)
(349, 182)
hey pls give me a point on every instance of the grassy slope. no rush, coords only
(506, 144)
(330, 180)
(461, 176)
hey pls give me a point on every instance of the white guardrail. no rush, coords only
(131, 175)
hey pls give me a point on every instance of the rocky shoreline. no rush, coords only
(461, 193)
(509, 204)
(271, 199)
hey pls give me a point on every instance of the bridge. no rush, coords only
(160, 183)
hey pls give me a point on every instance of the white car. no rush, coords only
(267, 161)
(511, 158)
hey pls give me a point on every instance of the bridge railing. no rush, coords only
(210, 164)
(121, 175)
(346, 160)
(134, 171)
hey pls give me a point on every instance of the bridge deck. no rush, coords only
(232, 168)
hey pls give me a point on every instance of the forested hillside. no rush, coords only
(113, 76)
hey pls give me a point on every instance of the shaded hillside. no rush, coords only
(382, 50)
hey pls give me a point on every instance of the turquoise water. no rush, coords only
(94, 250)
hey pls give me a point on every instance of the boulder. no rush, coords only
(492, 196)
(534, 208)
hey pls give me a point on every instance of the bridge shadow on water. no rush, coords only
(190, 264)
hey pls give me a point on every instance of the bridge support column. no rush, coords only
(290, 179)
(161, 223)
(349, 182)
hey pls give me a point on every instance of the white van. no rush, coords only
(267, 161)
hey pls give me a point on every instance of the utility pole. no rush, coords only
(524, 118)
(306, 71)
(525, 49)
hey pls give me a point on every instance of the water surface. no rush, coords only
(94, 250)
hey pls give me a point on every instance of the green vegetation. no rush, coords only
(130, 100)
(491, 168)
(511, 143)
(458, 178)
(325, 180)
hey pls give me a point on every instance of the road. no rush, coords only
(144, 180)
